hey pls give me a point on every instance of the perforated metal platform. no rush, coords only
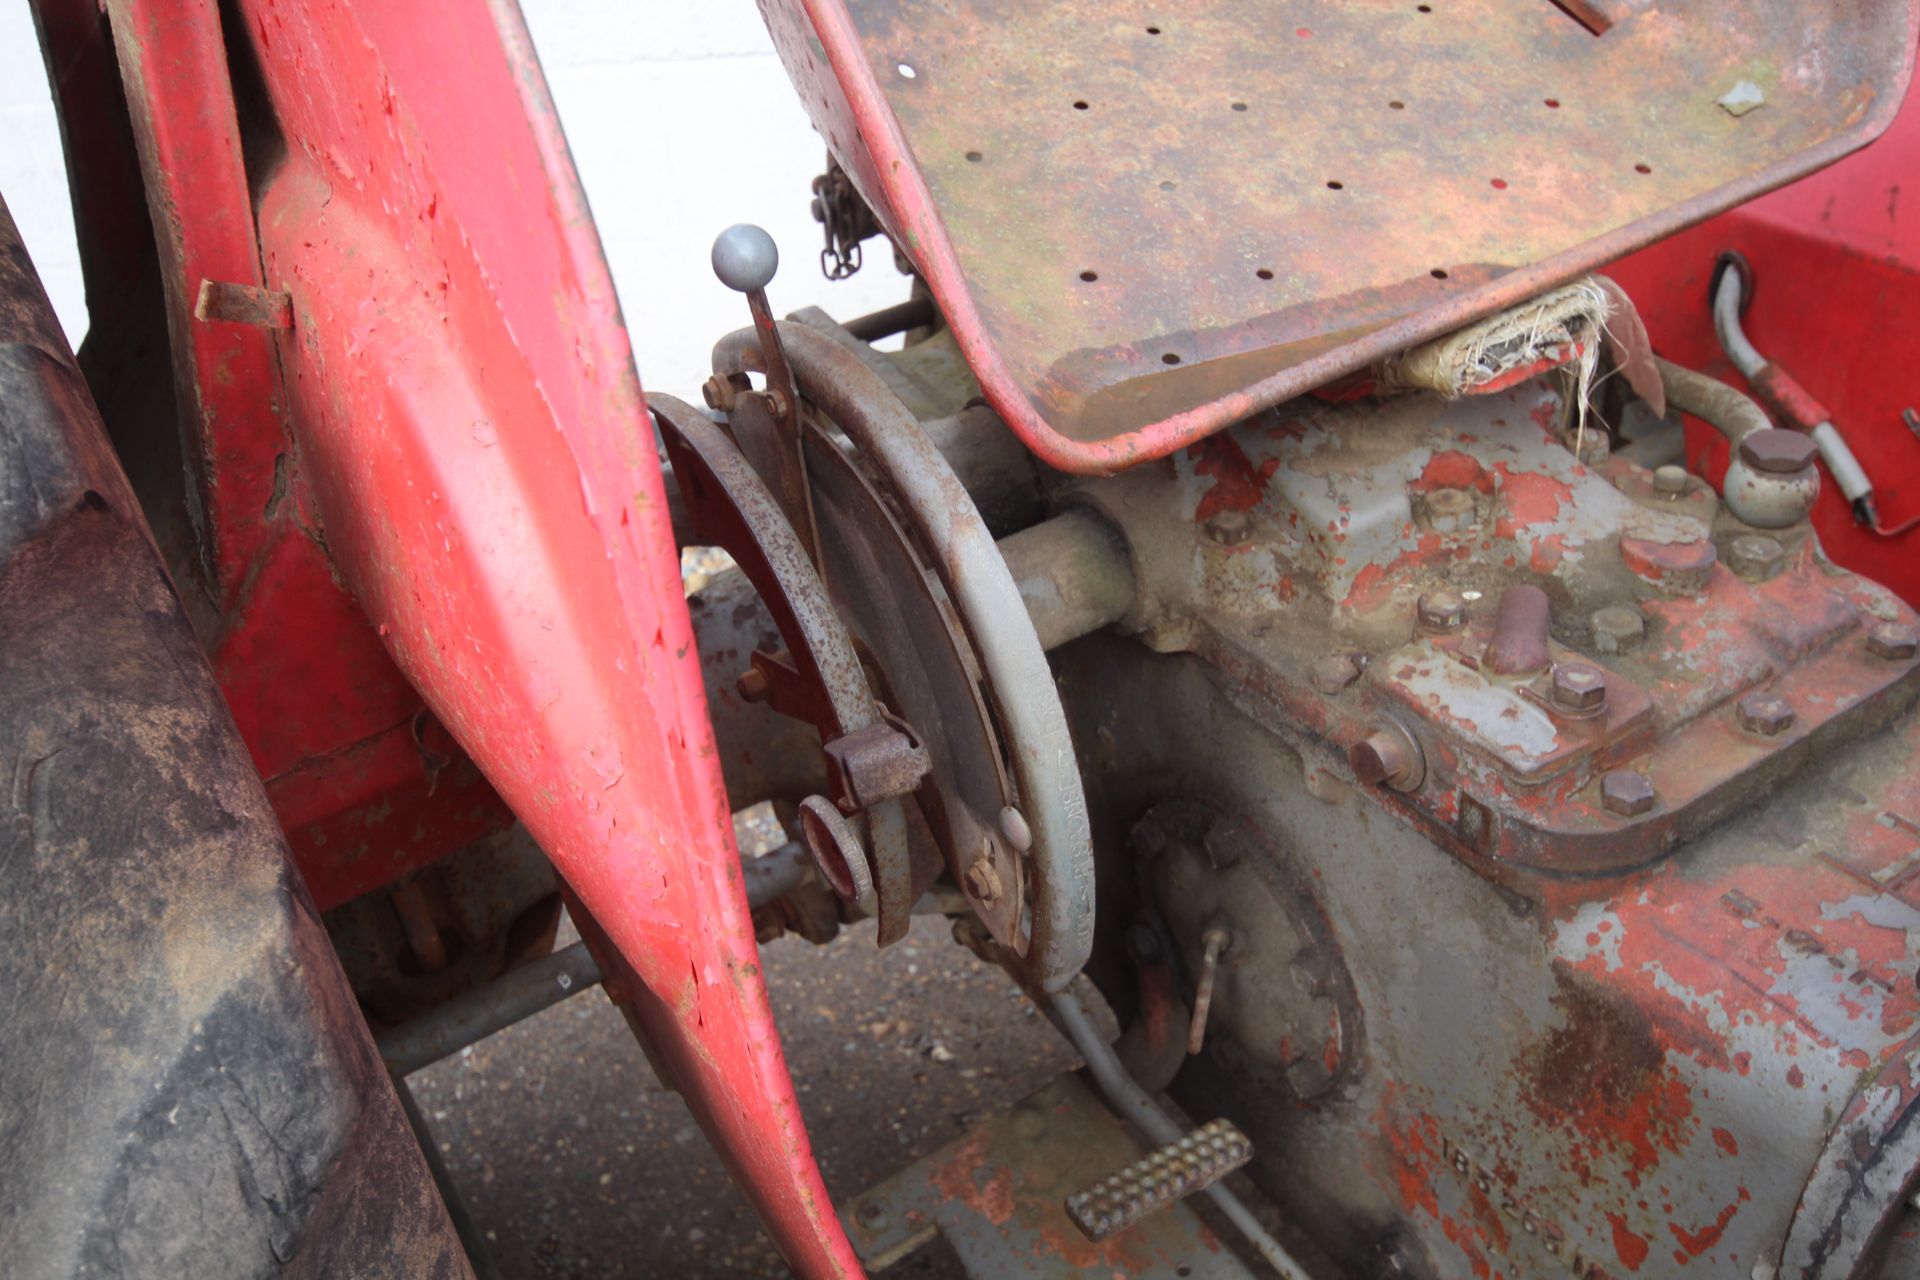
(1173, 213)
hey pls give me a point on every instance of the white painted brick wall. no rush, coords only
(681, 122)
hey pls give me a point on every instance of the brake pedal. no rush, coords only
(1153, 1182)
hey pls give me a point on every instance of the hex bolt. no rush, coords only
(1441, 611)
(982, 881)
(1670, 479)
(1627, 792)
(1756, 557)
(718, 393)
(1618, 628)
(1766, 714)
(1389, 757)
(1891, 640)
(1578, 688)
(1450, 510)
(1778, 452)
(873, 1214)
(1334, 672)
(1230, 528)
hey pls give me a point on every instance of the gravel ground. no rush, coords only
(573, 1162)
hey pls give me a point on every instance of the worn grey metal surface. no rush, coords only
(1604, 964)
(1537, 1060)
(1341, 538)
(1696, 1053)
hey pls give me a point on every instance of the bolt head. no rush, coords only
(1441, 611)
(1230, 528)
(1627, 792)
(1388, 757)
(1755, 556)
(745, 257)
(982, 881)
(1779, 452)
(1617, 628)
(1450, 510)
(1594, 446)
(1578, 687)
(1670, 479)
(1334, 672)
(1892, 640)
(1766, 714)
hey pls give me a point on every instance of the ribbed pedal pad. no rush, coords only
(1197, 1161)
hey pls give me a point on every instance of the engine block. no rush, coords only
(1570, 836)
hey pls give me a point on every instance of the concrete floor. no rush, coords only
(573, 1162)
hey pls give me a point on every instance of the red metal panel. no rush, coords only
(183, 119)
(1836, 260)
(467, 416)
(316, 697)
(469, 443)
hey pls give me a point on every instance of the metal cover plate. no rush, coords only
(998, 1196)
(1148, 222)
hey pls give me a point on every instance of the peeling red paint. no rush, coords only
(1462, 1237)
(1528, 498)
(1726, 1142)
(1237, 484)
(1548, 552)
(1371, 588)
(1415, 1154)
(1451, 469)
(1627, 1244)
(1698, 1242)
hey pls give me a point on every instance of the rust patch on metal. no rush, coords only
(959, 1179)
(1602, 1078)
(1237, 484)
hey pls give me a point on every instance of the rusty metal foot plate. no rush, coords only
(998, 1196)
(1164, 1178)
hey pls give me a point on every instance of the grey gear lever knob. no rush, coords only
(745, 257)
